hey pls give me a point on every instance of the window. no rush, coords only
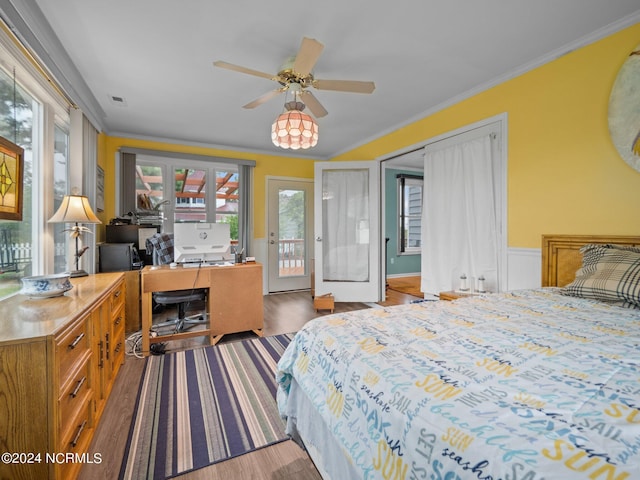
(18, 123)
(227, 196)
(36, 117)
(60, 189)
(190, 195)
(409, 214)
(185, 195)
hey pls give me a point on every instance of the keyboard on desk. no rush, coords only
(216, 263)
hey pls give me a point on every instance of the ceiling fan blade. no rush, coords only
(353, 86)
(238, 68)
(310, 50)
(264, 98)
(313, 104)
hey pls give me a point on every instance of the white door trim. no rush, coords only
(343, 291)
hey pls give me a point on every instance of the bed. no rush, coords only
(535, 384)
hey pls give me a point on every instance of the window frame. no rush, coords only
(403, 181)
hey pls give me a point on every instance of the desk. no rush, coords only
(234, 300)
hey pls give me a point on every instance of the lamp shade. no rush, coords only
(294, 129)
(74, 209)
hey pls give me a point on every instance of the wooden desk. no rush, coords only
(234, 302)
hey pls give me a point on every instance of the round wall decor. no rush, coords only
(624, 110)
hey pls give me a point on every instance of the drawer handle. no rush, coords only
(74, 394)
(117, 349)
(75, 440)
(118, 320)
(117, 294)
(101, 356)
(75, 343)
(107, 338)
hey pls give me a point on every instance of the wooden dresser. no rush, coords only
(58, 360)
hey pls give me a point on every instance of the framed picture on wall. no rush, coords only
(100, 189)
(11, 176)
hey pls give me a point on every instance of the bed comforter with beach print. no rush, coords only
(529, 385)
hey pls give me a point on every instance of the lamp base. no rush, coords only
(78, 273)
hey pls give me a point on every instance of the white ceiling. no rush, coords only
(421, 54)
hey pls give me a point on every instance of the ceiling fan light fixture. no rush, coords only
(294, 129)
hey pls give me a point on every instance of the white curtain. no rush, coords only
(459, 227)
(89, 187)
(345, 242)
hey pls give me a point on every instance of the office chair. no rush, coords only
(161, 246)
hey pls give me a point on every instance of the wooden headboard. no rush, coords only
(561, 255)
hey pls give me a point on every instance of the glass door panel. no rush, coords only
(347, 233)
(291, 233)
(345, 214)
(290, 221)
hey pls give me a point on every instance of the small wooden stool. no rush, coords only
(323, 302)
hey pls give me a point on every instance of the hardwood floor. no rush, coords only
(409, 285)
(283, 313)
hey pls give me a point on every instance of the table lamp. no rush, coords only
(75, 208)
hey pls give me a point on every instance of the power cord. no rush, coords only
(133, 345)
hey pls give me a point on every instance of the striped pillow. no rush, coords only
(609, 273)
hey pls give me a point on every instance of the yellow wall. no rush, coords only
(265, 165)
(564, 173)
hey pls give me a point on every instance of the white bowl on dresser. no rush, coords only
(46, 286)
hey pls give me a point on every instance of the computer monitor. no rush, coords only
(200, 242)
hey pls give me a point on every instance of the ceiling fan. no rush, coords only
(295, 76)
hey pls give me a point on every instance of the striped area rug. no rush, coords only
(203, 406)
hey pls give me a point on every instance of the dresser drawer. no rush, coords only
(75, 395)
(77, 441)
(117, 340)
(117, 320)
(117, 354)
(71, 347)
(117, 297)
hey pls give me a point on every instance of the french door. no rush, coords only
(290, 233)
(347, 230)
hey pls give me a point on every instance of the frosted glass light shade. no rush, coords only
(294, 129)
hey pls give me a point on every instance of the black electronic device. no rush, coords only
(136, 234)
(122, 234)
(118, 257)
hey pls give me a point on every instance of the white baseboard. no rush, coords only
(524, 267)
(260, 251)
(400, 275)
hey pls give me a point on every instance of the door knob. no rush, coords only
(318, 239)
(272, 242)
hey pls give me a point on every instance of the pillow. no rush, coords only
(609, 273)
